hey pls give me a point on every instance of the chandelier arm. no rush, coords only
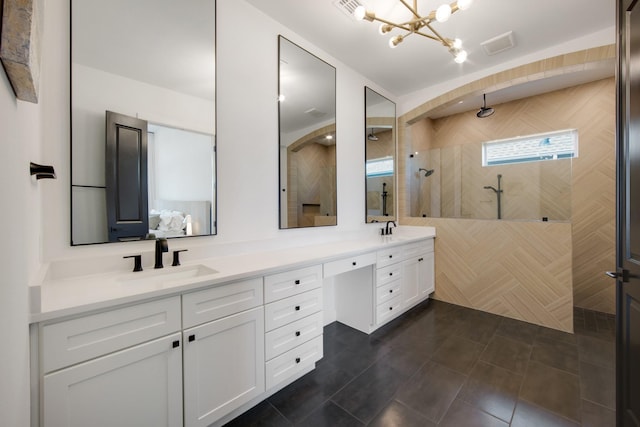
(393, 24)
(444, 41)
(414, 11)
(429, 36)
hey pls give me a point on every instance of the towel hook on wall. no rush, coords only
(42, 171)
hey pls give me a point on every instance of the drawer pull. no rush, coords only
(192, 338)
(297, 282)
(353, 263)
(297, 360)
(176, 343)
(297, 308)
(297, 333)
(420, 259)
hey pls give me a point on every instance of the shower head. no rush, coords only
(372, 136)
(427, 172)
(484, 111)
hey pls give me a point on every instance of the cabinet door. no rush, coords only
(426, 277)
(223, 366)
(138, 386)
(410, 281)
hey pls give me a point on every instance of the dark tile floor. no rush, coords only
(445, 365)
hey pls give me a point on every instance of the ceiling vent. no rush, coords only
(313, 112)
(498, 44)
(347, 7)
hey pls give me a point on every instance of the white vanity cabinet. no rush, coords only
(417, 272)
(389, 290)
(224, 356)
(114, 368)
(293, 322)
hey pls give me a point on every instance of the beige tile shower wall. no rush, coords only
(311, 183)
(520, 270)
(590, 108)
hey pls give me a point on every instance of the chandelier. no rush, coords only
(419, 24)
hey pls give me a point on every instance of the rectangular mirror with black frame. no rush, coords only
(143, 161)
(307, 138)
(380, 149)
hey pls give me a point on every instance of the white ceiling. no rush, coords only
(418, 63)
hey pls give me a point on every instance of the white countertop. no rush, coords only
(73, 295)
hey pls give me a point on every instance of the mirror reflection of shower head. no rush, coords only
(427, 172)
(372, 136)
(485, 111)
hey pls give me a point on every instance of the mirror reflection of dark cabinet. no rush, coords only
(153, 60)
(126, 177)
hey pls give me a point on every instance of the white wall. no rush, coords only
(181, 165)
(20, 250)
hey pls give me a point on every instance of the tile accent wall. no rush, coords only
(483, 264)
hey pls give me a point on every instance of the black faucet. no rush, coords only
(386, 231)
(161, 246)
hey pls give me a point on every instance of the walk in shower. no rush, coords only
(454, 182)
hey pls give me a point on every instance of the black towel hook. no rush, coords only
(42, 171)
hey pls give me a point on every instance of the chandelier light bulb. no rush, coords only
(359, 13)
(443, 12)
(384, 28)
(464, 4)
(457, 44)
(460, 56)
(395, 41)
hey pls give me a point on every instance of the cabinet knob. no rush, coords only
(192, 338)
(353, 263)
(297, 360)
(390, 291)
(390, 256)
(297, 333)
(176, 343)
(420, 259)
(390, 274)
(297, 308)
(390, 308)
(297, 282)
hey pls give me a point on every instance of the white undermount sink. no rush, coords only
(166, 275)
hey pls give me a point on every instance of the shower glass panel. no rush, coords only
(460, 187)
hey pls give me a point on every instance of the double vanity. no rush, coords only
(196, 345)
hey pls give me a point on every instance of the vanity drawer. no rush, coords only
(413, 250)
(388, 310)
(214, 303)
(292, 362)
(72, 341)
(292, 335)
(282, 285)
(388, 292)
(389, 256)
(340, 266)
(285, 311)
(388, 274)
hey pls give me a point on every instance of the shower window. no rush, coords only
(531, 148)
(380, 167)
